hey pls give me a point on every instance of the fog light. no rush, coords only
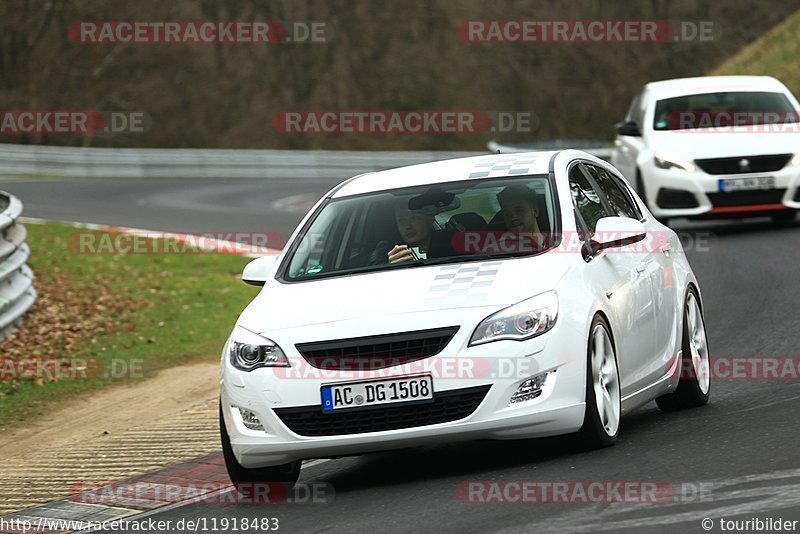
(529, 389)
(250, 420)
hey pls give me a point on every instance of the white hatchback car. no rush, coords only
(501, 296)
(716, 146)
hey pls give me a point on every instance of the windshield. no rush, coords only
(423, 225)
(716, 110)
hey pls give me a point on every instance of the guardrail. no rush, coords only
(17, 294)
(78, 162)
(82, 162)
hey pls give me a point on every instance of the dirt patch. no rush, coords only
(116, 409)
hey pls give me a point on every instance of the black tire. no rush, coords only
(593, 434)
(244, 479)
(784, 218)
(688, 394)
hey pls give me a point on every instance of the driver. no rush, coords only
(416, 230)
(416, 233)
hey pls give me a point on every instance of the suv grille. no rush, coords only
(376, 352)
(735, 165)
(747, 198)
(447, 406)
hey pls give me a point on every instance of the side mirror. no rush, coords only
(628, 128)
(257, 271)
(617, 232)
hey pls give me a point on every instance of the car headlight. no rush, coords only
(530, 318)
(796, 159)
(248, 351)
(668, 162)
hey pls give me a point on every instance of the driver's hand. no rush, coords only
(399, 254)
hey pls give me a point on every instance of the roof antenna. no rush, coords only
(498, 150)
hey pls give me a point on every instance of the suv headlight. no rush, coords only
(530, 318)
(248, 351)
(663, 161)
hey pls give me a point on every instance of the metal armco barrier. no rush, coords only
(72, 162)
(79, 162)
(17, 294)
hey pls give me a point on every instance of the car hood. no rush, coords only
(418, 289)
(710, 143)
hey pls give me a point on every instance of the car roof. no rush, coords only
(713, 84)
(451, 170)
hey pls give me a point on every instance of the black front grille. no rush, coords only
(376, 352)
(447, 406)
(747, 198)
(675, 198)
(744, 164)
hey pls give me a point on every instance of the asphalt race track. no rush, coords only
(736, 458)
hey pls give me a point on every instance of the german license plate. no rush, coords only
(376, 392)
(726, 185)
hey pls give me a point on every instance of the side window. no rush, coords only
(585, 198)
(617, 197)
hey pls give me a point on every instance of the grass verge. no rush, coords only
(774, 54)
(104, 319)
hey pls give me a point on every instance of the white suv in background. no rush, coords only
(716, 146)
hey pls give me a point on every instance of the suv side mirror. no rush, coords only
(628, 128)
(617, 232)
(257, 271)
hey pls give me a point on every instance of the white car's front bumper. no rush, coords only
(785, 196)
(501, 366)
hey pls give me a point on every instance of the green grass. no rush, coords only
(775, 54)
(158, 311)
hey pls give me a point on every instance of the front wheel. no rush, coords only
(245, 480)
(603, 407)
(695, 375)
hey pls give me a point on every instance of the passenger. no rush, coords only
(519, 207)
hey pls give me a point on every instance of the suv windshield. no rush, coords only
(423, 225)
(717, 110)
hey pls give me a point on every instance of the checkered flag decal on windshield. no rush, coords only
(462, 284)
(509, 165)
